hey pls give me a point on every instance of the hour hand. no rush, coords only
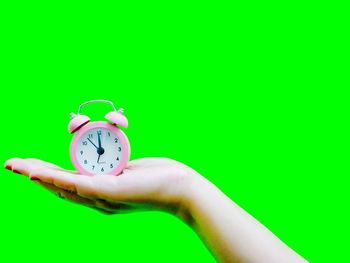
(92, 143)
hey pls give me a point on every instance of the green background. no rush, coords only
(253, 96)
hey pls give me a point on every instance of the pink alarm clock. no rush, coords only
(99, 147)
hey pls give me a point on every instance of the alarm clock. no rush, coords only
(99, 147)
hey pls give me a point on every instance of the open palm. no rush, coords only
(147, 183)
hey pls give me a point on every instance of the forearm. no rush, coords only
(229, 232)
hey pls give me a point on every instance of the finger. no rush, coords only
(93, 202)
(88, 201)
(70, 196)
(43, 163)
(66, 194)
(19, 165)
(25, 166)
(50, 173)
(9, 162)
(79, 184)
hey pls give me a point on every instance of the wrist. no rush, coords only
(194, 186)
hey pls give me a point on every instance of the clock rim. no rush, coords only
(125, 156)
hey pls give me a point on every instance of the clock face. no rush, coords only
(99, 151)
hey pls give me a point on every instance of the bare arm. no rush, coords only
(230, 232)
(160, 183)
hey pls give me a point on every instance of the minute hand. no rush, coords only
(92, 143)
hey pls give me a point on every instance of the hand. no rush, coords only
(148, 183)
(159, 183)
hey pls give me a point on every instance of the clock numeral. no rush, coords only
(119, 149)
(93, 167)
(90, 135)
(84, 142)
(102, 170)
(81, 152)
(116, 140)
(85, 161)
(109, 134)
(111, 165)
(117, 158)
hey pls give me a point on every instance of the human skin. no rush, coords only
(229, 232)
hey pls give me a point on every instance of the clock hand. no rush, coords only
(99, 139)
(100, 149)
(98, 159)
(92, 143)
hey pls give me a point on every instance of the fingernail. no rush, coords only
(33, 178)
(15, 171)
(8, 167)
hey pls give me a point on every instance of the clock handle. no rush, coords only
(98, 101)
(116, 116)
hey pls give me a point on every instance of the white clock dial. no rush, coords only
(99, 151)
